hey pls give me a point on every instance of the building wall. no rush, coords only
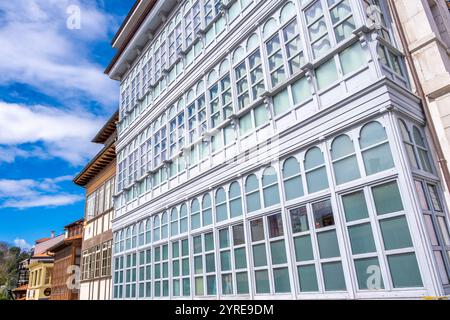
(97, 238)
(427, 28)
(174, 226)
(40, 281)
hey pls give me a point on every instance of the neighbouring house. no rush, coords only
(66, 265)
(41, 268)
(98, 179)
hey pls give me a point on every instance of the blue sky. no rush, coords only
(54, 97)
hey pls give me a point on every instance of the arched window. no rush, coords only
(206, 210)
(128, 239)
(287, 12)
(293, 186)
(316, 174)
(148, 231)
(252, 42)
(195, 214)
(224, 67)
(164, 226)
(234, 194)
(156, 228)
(271, 193)
(422, 150)
(409, 144)
(122, 241)
(375, 148)
(270, 27)
(133, 237)
(174, 222)
(141, 231)
(252, 196)
(344, 160)
(212, 77)
(221, 205)
(183, 218)
(238, 54)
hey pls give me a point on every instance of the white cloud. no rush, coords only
(40, 51)
(22, 244)
(43, 201)
(29, 193)
(65, 134)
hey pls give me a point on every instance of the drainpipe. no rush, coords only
(425, 107)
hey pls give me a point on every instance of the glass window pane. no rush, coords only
(253, 202)
(307, 278)
(303, 248)
(346, 170)
(299, 219)
(404, 270)
(227, 284)
(238, 235)
(259, 255)
(387, 198)
(257, 228)
(199, 289)
(271, 195)
(262, 281)
(225, 260)
(240, 259)
(275, 225)
(372, 133)
(293, 188)
(211, 285)
(444, 230)
(378, 159)
(355, 206)
(352, 58)
(281, 102)
(198, 244)
(210, 263)
(333, 276)
(328, 244)
(361, 238)
(395, 233)
(369, 274)
(326, 74)
(278, 252)
(434, 198)
(323, 214)
(242, 282)
(224, 239)
(301, 91)
(441, 267)
(281, 279)
(317, 180)
(198, 265)
(431, 230)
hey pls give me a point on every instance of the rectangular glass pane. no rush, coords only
(378, 159)
(281, 279)
(387, 198)
(242, 282)
(278, 252)
(238, 235)
(211, 285)
(257, 229)
(223, 238)
(301, 91)
(259, 255)
(395, 233)
(303, 248)
(355, 206)
(405, 272)
(323, 214)
(326, 74)
(225, 260)
(210, 263)
(240, 258)
(333, 276)
(307, 278)
(275, 225)
(352, 58)
(262, 281)
(328, 244)
(317, 180)
(299, 219)
(199, 289)
(369, 274)
(227, 284)
(361, 238)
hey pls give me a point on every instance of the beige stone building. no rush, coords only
(426, 29)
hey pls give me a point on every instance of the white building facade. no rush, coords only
(273, 150)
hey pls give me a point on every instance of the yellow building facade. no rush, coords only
(39, 286)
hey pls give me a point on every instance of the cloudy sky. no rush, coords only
(54, 97)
